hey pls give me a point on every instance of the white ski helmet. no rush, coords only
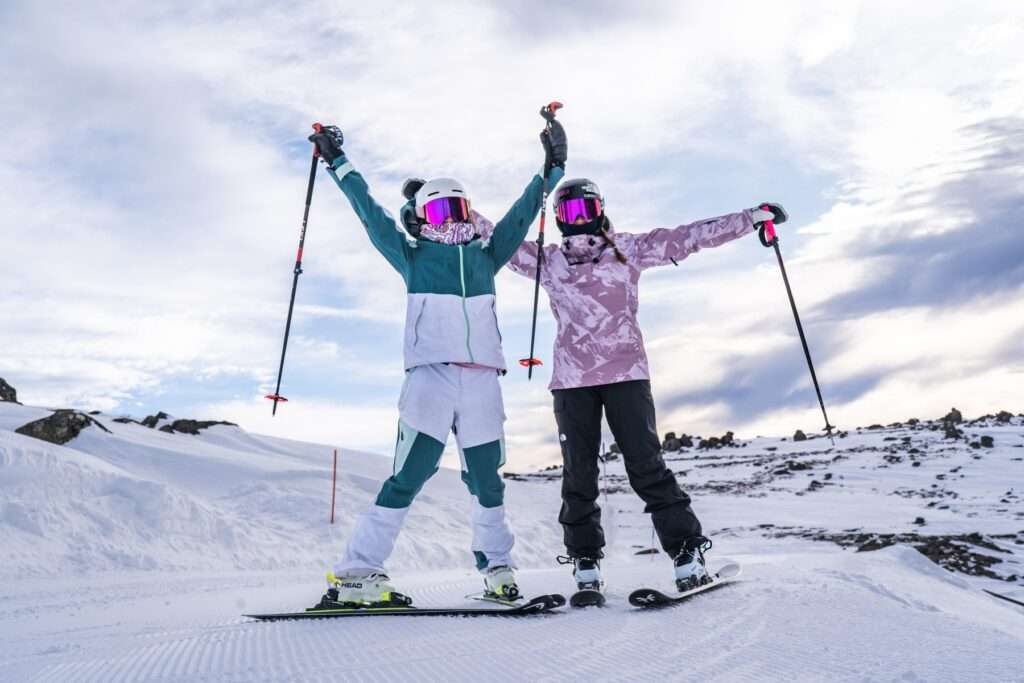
(438, 188)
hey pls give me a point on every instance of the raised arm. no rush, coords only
(667, 245)
(384, 232)
(513, 227)
(510, 231)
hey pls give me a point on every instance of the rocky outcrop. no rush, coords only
(671, 443)
(192, 426)
(152, 421)
(717, 441)
(954, 416)
(177, 426)
(799, 435)
(8, 394)
(59, 428)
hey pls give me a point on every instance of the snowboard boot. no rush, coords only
(690, 571)
(500, 583)
(587, 572)
(366, 590)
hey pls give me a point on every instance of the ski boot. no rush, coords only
(367, 590)
(690, 571)
(589, 584)
(500, 584)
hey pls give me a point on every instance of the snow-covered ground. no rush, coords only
(130, 556)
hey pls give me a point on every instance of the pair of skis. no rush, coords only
(644, 598)
(538, 605)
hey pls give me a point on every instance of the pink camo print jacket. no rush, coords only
(594, 296)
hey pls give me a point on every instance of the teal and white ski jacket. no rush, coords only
(450, 310)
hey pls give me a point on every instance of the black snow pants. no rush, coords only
(629, 407)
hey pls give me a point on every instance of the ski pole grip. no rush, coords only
(767, 232)
(548, 111)
(317, 129)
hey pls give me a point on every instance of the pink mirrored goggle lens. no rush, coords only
(438, 211)
(571, 209)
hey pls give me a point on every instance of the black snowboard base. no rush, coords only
(538, 605)
(648, 598)
(587, 597)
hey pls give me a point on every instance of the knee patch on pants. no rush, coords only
(480, 466)
(416, 460)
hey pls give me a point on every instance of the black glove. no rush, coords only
(556, 146)
(328, 143)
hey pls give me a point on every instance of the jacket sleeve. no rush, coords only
(380, 225)
(524, 259)
(510, 231)
(660, 247)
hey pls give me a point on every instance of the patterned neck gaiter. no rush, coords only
(583, 248)
(448, 233)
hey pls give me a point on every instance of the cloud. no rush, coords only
(153, 168)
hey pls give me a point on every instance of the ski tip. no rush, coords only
(556, 599)
(543, 603)
(648, 597)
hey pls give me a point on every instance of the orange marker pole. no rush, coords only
(334, 483)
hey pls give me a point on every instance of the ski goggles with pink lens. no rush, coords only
(587, 208)
(438, 211)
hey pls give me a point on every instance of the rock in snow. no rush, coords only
(59, 428)
(192, 426)
(8, 394)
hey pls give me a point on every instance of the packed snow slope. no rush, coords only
(131, 555)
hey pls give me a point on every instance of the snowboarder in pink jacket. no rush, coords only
(591, 279)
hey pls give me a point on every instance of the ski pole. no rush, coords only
(276, 397)
(770, 239)
(548, 112)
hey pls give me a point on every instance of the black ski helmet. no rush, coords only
(579, 188)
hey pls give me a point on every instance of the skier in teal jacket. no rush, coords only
(448, 257)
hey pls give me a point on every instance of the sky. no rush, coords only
(153, 167)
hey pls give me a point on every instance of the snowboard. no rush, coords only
(648, 598)
(587, 598)
(538, 605)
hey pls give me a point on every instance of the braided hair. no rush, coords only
(605, 231)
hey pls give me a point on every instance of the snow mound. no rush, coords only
(143, 499)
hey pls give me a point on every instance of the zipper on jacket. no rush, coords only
(465, 313)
